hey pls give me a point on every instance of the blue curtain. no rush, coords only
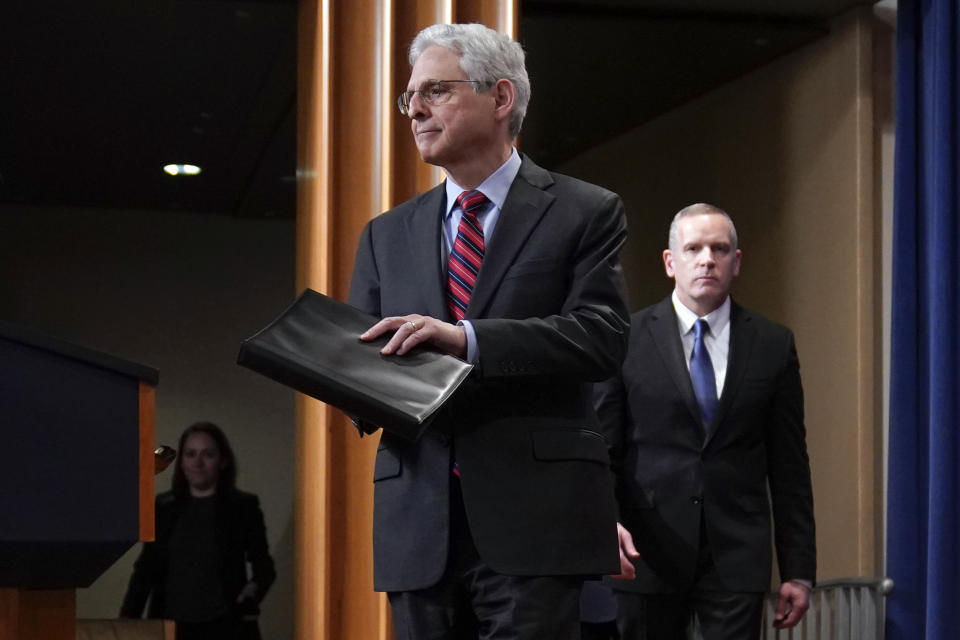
(923, 499)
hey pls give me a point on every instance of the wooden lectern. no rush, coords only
(76, 475)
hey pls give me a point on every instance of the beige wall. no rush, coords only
(788, 151)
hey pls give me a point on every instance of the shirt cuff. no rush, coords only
(471, 341)
(806, 583)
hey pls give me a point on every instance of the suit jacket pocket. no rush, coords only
(527, 267)
(755, 389)
(570, 444)
(387, 464)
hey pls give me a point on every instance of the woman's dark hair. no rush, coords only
(228, 474)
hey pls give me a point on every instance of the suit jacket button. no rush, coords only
(696, 499)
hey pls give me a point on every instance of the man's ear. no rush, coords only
(504, 95)
(668, 262)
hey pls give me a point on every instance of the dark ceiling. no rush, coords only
(103, 93)
(100, 94)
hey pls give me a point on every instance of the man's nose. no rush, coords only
(416, 107)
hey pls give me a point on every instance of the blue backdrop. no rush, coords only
(923, 499)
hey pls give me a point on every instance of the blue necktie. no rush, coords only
(701, 374)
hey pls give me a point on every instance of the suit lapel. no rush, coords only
(424, 237)
(525, 204)
(666, 336)
(742, 336)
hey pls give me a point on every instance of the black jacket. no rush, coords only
(241, 537)
(671, 474)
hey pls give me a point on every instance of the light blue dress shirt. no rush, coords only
(495, 187)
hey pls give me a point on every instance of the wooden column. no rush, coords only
(499, 14)
(355, 159)
(147, 397)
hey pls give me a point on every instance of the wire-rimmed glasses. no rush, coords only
(433, 92)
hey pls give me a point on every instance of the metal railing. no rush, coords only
(841, 609)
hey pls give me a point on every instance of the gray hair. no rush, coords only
(485, 55)
(698, 209)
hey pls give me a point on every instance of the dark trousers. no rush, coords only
(720, 614)
(473, 602)
(226, 628)
(599, 631)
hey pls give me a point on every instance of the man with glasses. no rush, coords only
(486, 526)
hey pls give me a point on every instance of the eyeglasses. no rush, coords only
(433, 93)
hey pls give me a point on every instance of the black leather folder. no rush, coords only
(314, 347)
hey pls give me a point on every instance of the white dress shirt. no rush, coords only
(717, 340)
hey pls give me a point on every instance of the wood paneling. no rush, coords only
(38, 614)
(499, 14)
(147, 443)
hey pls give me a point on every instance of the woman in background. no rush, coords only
(207, 531)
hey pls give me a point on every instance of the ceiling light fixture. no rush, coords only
(182, 169)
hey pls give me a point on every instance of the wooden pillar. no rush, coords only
(355, 159)
(499, 14)
(147, 398)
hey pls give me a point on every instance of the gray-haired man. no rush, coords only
(485, 527)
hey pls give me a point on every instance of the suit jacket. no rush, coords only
(550, 316)
(241, 538)
(671, 472)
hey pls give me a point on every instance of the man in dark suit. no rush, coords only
(706, 414)
(485, 527)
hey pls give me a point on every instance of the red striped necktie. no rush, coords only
(466, 255)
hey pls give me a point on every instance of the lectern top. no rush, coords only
(39, 340)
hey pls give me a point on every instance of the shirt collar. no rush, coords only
(717, 319)
(495, 187)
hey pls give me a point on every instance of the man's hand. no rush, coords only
(793, 603)
(627, 551)
(416, 329)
